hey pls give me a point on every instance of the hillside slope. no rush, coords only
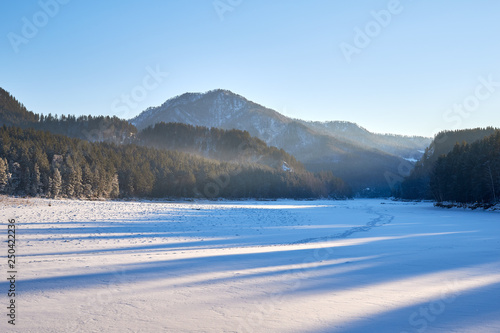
(223, 145)
(417, 184)
(90, 128)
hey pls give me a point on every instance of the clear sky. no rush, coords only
(409, 67)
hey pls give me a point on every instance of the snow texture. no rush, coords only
(253, 266)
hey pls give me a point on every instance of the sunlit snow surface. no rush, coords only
(253, 266)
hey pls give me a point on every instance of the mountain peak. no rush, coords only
(222, 92)
(189, 96)
(214, 108)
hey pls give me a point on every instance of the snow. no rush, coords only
(410, 159)
(174, 102)
(285, 167)
(253, 266)
(431, 151)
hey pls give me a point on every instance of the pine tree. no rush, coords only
(15, 177)
(77, 182)
(69, 183)
(87, 182)
(490, 179)
(96, 181)
(4, 175)
(36, 184)
(56, 184)
(26, 181)
(115, 187)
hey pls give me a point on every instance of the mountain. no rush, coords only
(361, 158)
(218, 108)
(105, 159)
(408, 147)
(229, 146)
(13, 112)
(417, 184)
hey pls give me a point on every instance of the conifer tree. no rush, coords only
(87, 190)
(36, 183)
(4, 175)
(56, 184)
(115, 187)
(15, 177)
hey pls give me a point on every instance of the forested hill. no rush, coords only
(445, 141)
(223, 145)
(470, 173)
(100, 128)
(417, 184)
(39, 163)
(13, 112)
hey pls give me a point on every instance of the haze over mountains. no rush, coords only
(353, 153)
(102, 157)
(227, 110)
(330, 159)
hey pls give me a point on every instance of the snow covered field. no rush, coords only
(252, 266)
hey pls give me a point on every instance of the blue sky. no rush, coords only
(408, 67)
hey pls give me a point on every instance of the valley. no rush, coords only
(253, 266)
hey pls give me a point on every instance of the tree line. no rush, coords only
(470, 173)
(39, 163)
(90, 128)
(418, 184)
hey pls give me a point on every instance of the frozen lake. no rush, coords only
(252, 266)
